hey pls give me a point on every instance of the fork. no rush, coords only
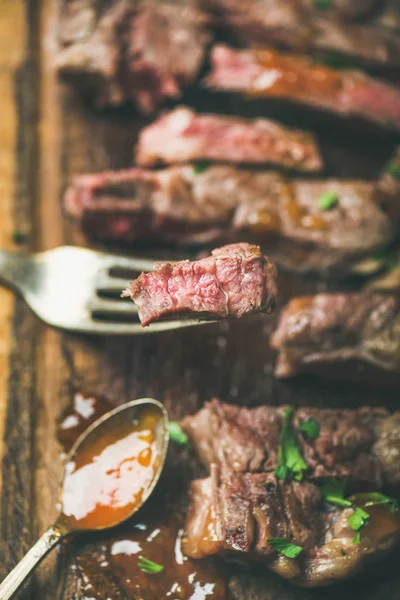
(74, 289)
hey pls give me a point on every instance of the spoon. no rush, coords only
(110, 472)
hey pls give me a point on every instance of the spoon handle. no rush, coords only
(32, 558)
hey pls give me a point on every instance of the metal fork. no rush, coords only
(72, 288)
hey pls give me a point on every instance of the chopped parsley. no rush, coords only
(328, 200)
(393, 168)
(357, 521)
(19, 237)
(333, 492)
(148, 566)
(176, 434)
(283, 546)
(309, 428)
(322, 4)
(201, 167)
(291, 464)
(375, 499)
(387, 257)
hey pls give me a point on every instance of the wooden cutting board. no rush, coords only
(46, 136)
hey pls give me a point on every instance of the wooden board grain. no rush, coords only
(47, 136)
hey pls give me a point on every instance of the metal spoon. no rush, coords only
(114, 425)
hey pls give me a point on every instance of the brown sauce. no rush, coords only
(108, 566)
(106, 480)
(158, 538)
(84, 411)
(294, 77)
(299, 217)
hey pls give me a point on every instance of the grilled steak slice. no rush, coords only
(270, 73)
(235, 281)
(184, 136)
(179, 205)
(242, 505)
(140, 51)
(247, 440)
(352, 335)
(300, 26)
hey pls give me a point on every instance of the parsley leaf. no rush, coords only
(357, 521)
(148, 566)
(176, 434)
(375, 499)
(333, 492)
(309, 428)
(201, 167)
(322, 4)
(19, 237)
(328, 200)
(283, 546)
(393, 168)
(291, 464)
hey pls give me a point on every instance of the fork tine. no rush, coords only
(107, 283)
(110, 328)
(119, 307)
(132, 264)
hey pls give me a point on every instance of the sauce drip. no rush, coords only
(158, 537)
(84, 411)
(294, 77)
(106, 479)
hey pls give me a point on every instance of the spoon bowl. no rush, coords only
(110, 472)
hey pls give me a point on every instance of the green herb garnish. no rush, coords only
(283, 546)
(357, 521)
(19, 237)
(328, 201)
(322, 4)
(176, 434)
(309, 428)
(201, 167)
(393, 168)
(148, 566)
(291, 464)
(336, 60)
(333, 492)
(375, 499)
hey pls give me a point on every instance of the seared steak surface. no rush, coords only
(143, 51)
(327, 332)
(301, 26)
(235, 281)
(185, 136)
(179, 205)
(242, 504)
(271, 73)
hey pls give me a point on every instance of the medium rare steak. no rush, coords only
(356, 336)
(303, 27)
(180, 205)
(271, 73)
(140, 51)
(244, 502)
(235, 281)
(183, 136)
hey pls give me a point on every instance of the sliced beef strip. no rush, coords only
(235, 281)
(182, 135)
(301, 26)
(178, 205)
(323, 332)
(247, 440)
(271, 73)
(140, 51)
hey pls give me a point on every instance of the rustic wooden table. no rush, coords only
(46, 135)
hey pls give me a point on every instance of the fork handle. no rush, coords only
(13, 267)
(14, 580)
